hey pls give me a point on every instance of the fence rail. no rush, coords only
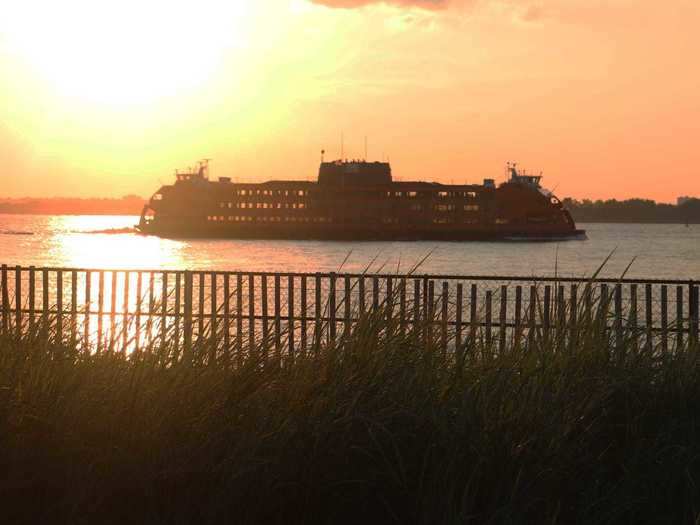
(225, 315)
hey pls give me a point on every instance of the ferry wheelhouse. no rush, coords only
(356, 200)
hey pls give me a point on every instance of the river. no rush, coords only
(653, 250)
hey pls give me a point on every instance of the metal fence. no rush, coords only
(228, 314)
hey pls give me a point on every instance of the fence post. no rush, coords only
(375, 293)
(239, 318)
(88, 300)
(18, 300)
(444, 301)
(125, 326)
(472, 313)
(648, 317)
(187, 328)
(59, 307)
(251, 314)
(430, 312)
(633, 317)
(487, 313)
(532, 317)
(214, 332)
(517, 328)
(402, 306)
(664, 318)
(100, 305)
(604, 305)
(693, 311)
(164, 312)
(347, 289)
(265, 326)
(680, 325)
(618, 318)
(459, 351)
(416, 306)
(545, 312)
(151, 309)
(331, 307)
(32, 298)
(73, 308)
(200, 308)
(139, 302)
(573, 315)
(561, 313)
(304, 318)
(502, 319)
(5, 300)
(361, 292)
(389, 299)
(278, 322)
(45, 304)
(290, 315)
(226, 351)
(317, 313)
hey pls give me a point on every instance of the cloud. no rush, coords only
(349, 4)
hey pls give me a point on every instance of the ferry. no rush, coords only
(357, 200)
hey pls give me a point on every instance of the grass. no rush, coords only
(378, 427)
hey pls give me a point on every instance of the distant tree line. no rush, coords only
(634, 210)
(127, 205)
(631, 210)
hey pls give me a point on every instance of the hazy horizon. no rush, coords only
(110, 99)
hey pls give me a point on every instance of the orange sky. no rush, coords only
(108, 98)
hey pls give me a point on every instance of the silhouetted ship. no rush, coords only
(357, 200)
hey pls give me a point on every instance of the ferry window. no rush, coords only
(501, 220)
(471, 207)
(230, 205)
(444, 207)
(242, 192)
(412, 194)
(416, 207)
(300, 193)
(470, 194)
(443, 193)
(442, 220)
(301, 205)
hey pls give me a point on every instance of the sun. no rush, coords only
(125, 52)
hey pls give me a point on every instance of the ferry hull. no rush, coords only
(355, 234)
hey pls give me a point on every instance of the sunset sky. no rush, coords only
(108, 97)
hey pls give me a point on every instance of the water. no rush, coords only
(655, 251)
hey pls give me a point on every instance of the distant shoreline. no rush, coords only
(72, 214)
(578, 220)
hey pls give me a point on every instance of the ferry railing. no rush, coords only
(222, 316)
